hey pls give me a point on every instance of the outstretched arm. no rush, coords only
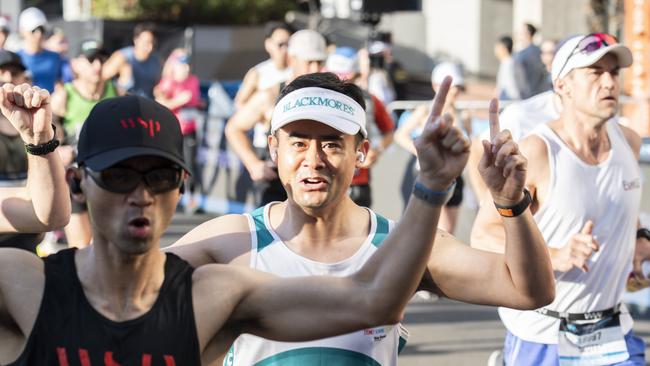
(44, 204)
(315, 307)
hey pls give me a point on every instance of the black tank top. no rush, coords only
(70, 332)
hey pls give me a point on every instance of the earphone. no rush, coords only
(361, 156)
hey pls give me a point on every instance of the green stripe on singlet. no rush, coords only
(382, 230)
(264, 237)
(319, 356)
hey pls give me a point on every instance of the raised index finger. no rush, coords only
(494, 118)
(440, 98)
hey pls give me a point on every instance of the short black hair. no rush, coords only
(506, 41)
(325, 80)
(271, 27)
(531, 29)
(144, 27)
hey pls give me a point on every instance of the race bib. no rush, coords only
(594, 343)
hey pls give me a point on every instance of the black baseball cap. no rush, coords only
(124, 127)
(8, 58)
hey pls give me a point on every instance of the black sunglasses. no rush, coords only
(125, 180)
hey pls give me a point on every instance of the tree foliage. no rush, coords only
(194, 11)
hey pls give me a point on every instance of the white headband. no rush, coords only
(332, 108)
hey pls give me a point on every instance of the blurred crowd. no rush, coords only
(79, 76)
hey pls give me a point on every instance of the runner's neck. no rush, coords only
(120, 286)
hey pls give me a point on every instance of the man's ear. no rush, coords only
(562, 87)
(273, 148)
(362, 152)
(73, 176)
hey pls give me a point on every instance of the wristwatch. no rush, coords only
(517, 209)
(643, 233)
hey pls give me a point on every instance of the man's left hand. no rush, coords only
(503, 167)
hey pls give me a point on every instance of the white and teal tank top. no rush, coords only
(369, 347)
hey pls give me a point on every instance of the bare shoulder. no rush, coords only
(633, 139)
(219, 240)
(22, 281)
(20, 264)
(535, 150)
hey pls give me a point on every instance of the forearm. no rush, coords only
(405, 142)
(397, 267)
(528, 261)
(48, 191)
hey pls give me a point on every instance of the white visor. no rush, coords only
(326, 106)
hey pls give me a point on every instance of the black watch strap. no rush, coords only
(517, 209)
(643, 233)
(43, 149)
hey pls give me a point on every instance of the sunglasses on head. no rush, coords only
(590, 43)
(119, 179)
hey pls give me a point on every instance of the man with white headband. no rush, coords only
(586, 189)
(318, 139)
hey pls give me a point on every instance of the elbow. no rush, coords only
(540, 297)
(383, 311)
(57, 222)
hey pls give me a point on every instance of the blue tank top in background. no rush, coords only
(146, 74)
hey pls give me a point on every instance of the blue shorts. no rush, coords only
(518, 352)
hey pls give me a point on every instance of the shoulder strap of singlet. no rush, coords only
(383, 227)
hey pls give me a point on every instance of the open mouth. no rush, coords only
(139, 227)
(314, 183)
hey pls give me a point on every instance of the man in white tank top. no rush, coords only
(272, 71)
(319, 230)
(585, 182)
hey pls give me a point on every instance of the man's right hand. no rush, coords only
(262, 171)
(577, 251)
(442, 149)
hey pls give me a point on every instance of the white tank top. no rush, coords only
(609, 194)
(369, 347)
(268, 75)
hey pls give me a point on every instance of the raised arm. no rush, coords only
(44, 204)
(113, 65)
(315, 307)
(522, 277)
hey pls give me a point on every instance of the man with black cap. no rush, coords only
(585, 184)
(37, 207)
(123, 301)
(73, 103)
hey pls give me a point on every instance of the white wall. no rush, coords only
(452, 30)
